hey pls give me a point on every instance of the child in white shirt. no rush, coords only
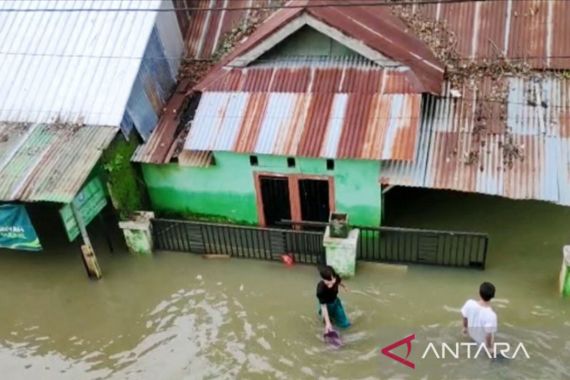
(479, 319)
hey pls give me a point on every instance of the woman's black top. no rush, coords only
(326, 294)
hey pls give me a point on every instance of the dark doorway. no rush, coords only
(275, 198)
(314, 197)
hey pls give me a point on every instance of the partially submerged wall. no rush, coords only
(226, 190)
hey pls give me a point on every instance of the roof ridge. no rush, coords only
(365, 32)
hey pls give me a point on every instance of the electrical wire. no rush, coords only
(271, 7)
(381, 62)
(336, 4)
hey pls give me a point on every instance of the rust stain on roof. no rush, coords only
(195, 159)
(347, 77)
(527, 157)
(313, 138)
(530, 30)
(375, 27)
(309, 124)
(48, 162)
(251, 124)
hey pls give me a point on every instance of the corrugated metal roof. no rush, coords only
(332, 75)
(207, 28)
(321, 74)
(71, 66)
(375, 28)
(157, 147)
(537, 122)
(195, 159)
(336, 107)
(40, 162)
(535, 29)
(531, 29)
(323, 124)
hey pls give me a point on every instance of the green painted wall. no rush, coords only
(226, 191)
(308, 42)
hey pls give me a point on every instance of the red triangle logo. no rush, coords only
(408, 342)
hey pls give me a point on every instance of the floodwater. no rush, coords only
(178, 316)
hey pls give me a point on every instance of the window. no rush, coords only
(291, 162)
(253, 160)
(330, 164)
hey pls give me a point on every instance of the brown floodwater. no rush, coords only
(178, 316)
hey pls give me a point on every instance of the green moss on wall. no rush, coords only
(123, 182)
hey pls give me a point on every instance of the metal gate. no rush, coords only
(238, 241)
(383, 244)
(407, 245)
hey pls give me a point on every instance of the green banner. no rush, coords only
(16, 230)
(90, 201)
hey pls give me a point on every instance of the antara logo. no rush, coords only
(408, 342)
(455, 351)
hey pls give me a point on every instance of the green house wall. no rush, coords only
(226, 190)
(307, 42)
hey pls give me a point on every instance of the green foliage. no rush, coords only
(125, 187)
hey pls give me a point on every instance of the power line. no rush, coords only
(336, 4)
(301, 59)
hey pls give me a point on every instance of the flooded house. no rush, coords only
(73, 75)
(321, 108)
(294, 122)
(273, 115)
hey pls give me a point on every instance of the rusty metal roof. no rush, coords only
(197, 159)
(374, 28)
(451, 156)
(157, 148)
(343, 109)
(314, 74)
(535, 30)
(48, 162)
(531, 29)
(332, 125)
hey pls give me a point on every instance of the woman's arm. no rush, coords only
(325, 314)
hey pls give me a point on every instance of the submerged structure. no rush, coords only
(324, 107)
(74, 74)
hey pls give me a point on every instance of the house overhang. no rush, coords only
(48, 162)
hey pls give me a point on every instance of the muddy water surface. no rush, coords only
(178, 316)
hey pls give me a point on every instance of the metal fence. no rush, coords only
(238, 241)
(407, 245)
(382, 244)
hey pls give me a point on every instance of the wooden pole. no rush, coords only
(89, 258)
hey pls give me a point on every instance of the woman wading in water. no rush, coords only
(331, 309)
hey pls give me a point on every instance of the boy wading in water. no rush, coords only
(331, 309)
(479, 319)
